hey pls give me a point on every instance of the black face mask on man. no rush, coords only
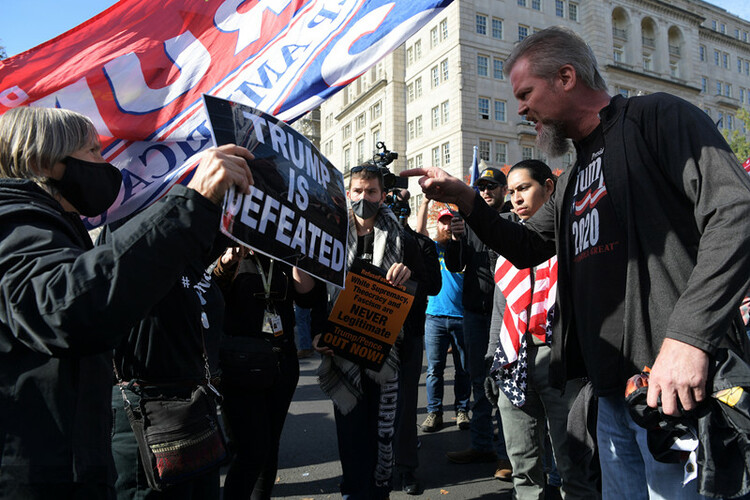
(364, 209)
(89, 186)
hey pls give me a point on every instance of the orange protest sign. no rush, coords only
(367, 316)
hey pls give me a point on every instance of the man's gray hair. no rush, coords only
(33, 140)
(550, 49)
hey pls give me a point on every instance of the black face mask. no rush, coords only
(90, 187)
(365, 209)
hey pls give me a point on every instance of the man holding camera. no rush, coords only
(444, 329)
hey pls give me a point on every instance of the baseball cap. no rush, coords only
(445, 212)
(491, 174)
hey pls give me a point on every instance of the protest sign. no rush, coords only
(296, 209)
(367, 316)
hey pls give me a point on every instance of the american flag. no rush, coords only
(529, 308)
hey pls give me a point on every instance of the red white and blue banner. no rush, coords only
(138, 70)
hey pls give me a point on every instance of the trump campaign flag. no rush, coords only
(138, 70)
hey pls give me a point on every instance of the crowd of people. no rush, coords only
(634, 261)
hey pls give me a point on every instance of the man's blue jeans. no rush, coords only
(628, 468)
(439, 333)
(476, 338)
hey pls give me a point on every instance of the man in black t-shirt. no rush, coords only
(654, 283)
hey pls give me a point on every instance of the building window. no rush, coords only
(573, 11)
(702, 52)
(410, 128)
(718, 87)
(435, 76)
(500, 111)
(723, 29)
(375, 137)
(521, 3)
(433, 37)
(483, 63)
(347, 159)
(497, 69)
(443, 30)
(376, 111)
(484, 149)
(536, 4)
(409, 56)
(725, 60)
(713, 25)
(445, 112)
(742, 95)
(444, 70)
(747, 68)
(418, 88)
(359, 122)
(716, 57)
(730, 122)
(435, 117)
(446, 153)
(737, 33)
(527, 153)
(728, 90)
(523, 32)
(623, 92)
(497, 29)
(417, 50)
(418, 125)
(739, 65)
(501, 153)
(346, 132)
(360, 150)
(559, 8)
(435, 157)
(720, 121)
(418, 161)
(617, 54)
(483, 104)
(481, 24)
(704, 84)
(410, 93)
(647, 62)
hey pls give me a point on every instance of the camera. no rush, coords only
(382, 158)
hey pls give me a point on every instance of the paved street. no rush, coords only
(308, 462)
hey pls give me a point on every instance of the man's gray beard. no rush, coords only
(552, 140)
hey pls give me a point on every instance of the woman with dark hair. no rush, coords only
(521, 326)
(65, 305)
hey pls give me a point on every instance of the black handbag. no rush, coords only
(178, 438)
(248, 362)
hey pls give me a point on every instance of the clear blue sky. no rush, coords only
(27, 23)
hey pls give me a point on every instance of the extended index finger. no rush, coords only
(414, 172)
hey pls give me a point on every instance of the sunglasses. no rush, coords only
(369, 168)
(488, 186)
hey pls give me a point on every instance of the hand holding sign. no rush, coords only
(398, 274)
(233, 255)
(221, 168)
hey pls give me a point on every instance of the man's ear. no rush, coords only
(567, 76)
